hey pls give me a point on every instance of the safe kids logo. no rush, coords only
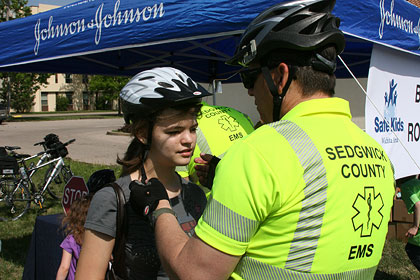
(390, 100)
(391, 121)
(368, 206)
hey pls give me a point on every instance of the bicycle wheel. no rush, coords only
(14, 201)
(56, 186)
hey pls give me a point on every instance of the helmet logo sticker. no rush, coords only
(368, 206)
(197, 93)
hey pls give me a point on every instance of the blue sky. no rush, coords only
(50, 2)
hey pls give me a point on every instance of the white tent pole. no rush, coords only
(216, 85)
(354, 77)
(214, 91)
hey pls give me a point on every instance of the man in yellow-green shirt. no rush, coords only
(307, 195)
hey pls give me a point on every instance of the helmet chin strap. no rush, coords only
(277, 98)
(146, 152)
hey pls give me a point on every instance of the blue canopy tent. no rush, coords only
(123, 37)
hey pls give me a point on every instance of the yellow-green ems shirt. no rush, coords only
(218, 128)
(308, 197)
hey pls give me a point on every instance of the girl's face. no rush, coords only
(173, 138)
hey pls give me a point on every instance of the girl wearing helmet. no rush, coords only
(162, 106)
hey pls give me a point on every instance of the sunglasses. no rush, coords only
(249, 76)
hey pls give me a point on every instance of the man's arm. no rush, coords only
(189, 258)
(416, 221)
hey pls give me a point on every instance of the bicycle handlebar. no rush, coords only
(69, 142)
(55, 149)
(65, 144)
(59, 146)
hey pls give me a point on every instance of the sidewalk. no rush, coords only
(92, 145)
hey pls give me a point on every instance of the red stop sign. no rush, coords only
(74, 189)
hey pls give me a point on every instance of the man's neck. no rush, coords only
(294, 97)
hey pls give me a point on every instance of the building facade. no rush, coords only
(415, 2)
(70, 86)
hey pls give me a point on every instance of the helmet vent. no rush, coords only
(180, 77)
(288, 23)
(165, 85)
(145, 78)
(311, 29)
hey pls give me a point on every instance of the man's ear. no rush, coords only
(280, 76)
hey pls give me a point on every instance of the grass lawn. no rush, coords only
(16, 237)
(395, 265)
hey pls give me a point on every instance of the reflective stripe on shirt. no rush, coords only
(228, 222)
(202, 142)
(308, 229)
(249, 268)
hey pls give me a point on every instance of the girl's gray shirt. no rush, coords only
(142, 260)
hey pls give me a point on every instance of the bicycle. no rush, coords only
(53, 148)
(56, 149)
(17, 190)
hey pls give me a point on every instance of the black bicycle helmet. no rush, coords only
(300, 25)
(50, 140)
(158, 88)
(299, 30)
(99, 179)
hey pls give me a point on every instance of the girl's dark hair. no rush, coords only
(132, 159)
(74, 222)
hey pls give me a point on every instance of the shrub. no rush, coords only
(61, 103)
(103, 103)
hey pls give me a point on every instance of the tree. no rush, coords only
(11, 9)
(22, 86)
(106, 89)
(61, 103)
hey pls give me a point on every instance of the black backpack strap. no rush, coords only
(118, 251)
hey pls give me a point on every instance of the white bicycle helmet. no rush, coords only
(156, 89)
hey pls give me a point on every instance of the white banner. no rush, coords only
(394, 117)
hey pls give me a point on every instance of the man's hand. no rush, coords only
(144, 198)
(206, 169)
(412, 231)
